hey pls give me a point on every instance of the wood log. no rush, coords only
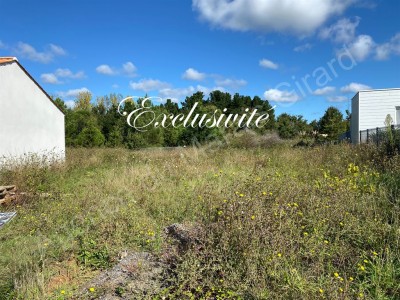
(7, 194)
(8, 188)
(8, 199)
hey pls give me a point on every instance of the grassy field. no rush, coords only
(277, 222)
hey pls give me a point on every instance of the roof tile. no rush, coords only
(7, 59)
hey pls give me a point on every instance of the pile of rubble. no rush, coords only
(142, 275)
(8, 194)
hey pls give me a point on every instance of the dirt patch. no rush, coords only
(136, 276)
(141, 275)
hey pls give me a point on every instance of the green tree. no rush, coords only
(220, 99)
(332, 123)
(115, 137)
(90, 136)
(291, 126)
(266, 107)
(83, 101)
(75, 123)
(190, 101)
(60, 104)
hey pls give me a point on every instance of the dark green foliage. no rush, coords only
(92, 255)
(90, 136)
(291, 126)
(100, 124)
(60, 104)
(332, 123)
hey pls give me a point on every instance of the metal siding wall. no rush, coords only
(376, 105)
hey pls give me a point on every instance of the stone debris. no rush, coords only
(8, 194)
(142, 275)
(138, 275)
(185, 235)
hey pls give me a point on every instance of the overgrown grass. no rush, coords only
(279, 222)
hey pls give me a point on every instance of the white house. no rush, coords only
(369, 109)
(30, 122)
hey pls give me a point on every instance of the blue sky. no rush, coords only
(301, 55)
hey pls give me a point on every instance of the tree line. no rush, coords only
(98, 123)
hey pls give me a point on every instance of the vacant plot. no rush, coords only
(256, 223)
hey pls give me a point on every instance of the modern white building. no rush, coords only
(369, 109)
(30, 122)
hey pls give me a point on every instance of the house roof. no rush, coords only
(9, 59)
(376, 90)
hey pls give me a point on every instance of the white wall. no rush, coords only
(29, 121)
(372, 109)
(376, 105)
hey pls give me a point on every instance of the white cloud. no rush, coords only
(177, 94)
(265, 63)
(231, 83)
(57, 50)
(70, 103)
(297, 16)
(362, 47)
(342, 31)
(2, 45)
(129, 69)
(392, 47)
(27, 51)
(220, 81)
(50, 78)
(105, 70)
(281, 96)
(337, 98)
(354, 88)
(383, 51)
(324, 91)
(148, 85)
(192, 74)
(67, 73)
(72, 93)
(302, 48)
(115, 86)
(53, 78)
